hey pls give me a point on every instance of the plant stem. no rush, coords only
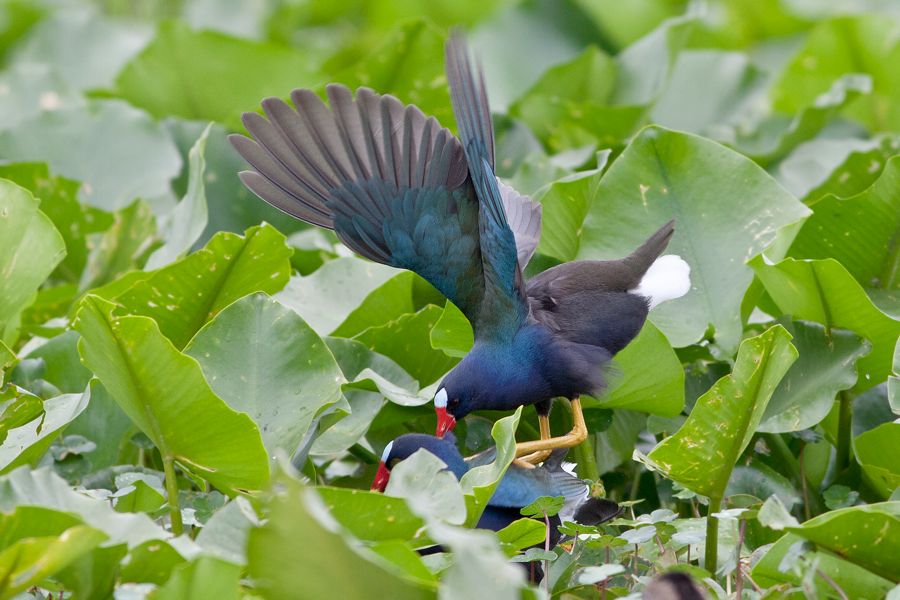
(363, 454)
(587, 460)
(738, 575)
(833, 584)
(635, 485)
(786, 458)
(804, 486)
(794, 465)
(172, 493)
(547, 549)
(845, 431)
(712, 536)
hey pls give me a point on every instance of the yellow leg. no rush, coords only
(540, 456)
(573, 438)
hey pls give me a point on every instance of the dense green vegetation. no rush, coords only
(194, 388)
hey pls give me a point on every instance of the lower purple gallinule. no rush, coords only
(519, 487)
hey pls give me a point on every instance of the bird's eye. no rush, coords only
(453, 403)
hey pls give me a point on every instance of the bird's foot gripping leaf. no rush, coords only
(538, 450)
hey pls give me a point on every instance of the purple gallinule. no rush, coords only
(399, 189)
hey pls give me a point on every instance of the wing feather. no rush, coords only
(390, 181)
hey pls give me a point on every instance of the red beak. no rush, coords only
(445, 422)
(381, 478)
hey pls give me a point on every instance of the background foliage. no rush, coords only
(177, 356)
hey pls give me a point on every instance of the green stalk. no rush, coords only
(587, 460)
(172, 493)
(712, 536)
(363, 454)
(845, 431)
(584, 453)
(811, 502)
(547, 549)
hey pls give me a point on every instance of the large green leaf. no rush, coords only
(877, 451)
(371, 516)
(209, 75)
(185, 295)
(868, 536)
(827, 365)
(264, 360)
(853, 44)
(332, 566)
(823, 291)
(95, 144)
(726, 208)
(164, 393)
(564, 206)
(646, 376)
(860, 231)
(30, 248)
(776, 566)
(30, 560)
(348, 295)
(702, 453)
(406, 341)
(368, 370)
(26, 444)
(452, 333)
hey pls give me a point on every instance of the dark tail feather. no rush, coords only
(594, 511)
(555, 461)
(641, 259)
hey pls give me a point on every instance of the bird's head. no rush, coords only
(473, 384)
(405, 446)
(453, 401)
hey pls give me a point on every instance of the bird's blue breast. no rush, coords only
(512, 373)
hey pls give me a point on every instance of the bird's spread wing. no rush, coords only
(391, 183)
(524, 217)
(520, 487)
(504, 308)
